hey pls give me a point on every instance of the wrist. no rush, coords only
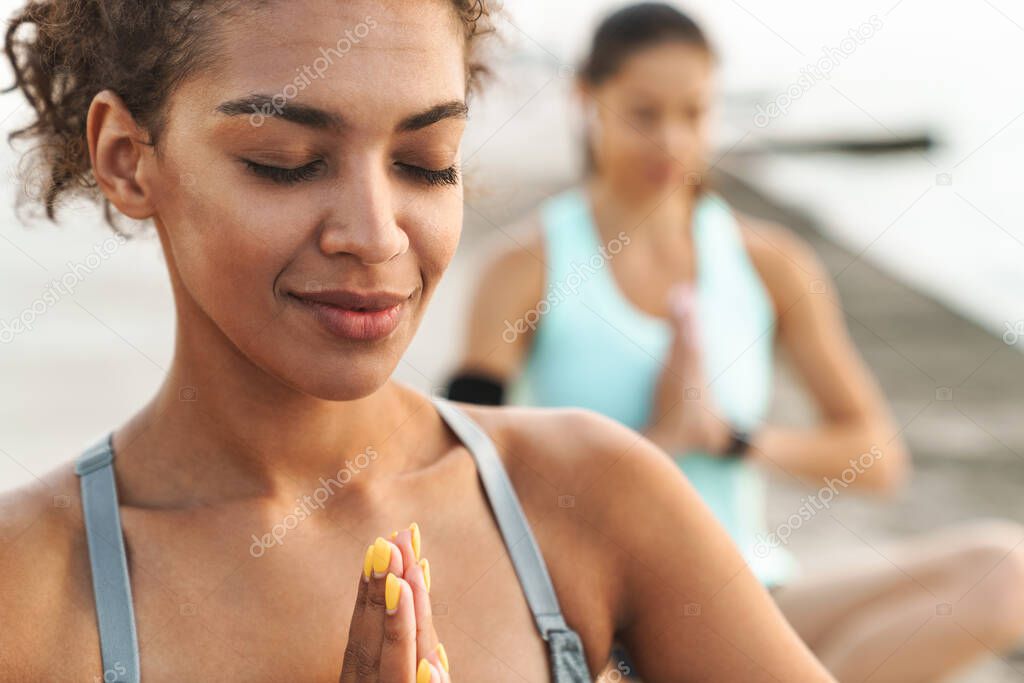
(719, 439)
(738, 445)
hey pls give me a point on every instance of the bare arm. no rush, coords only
(682, 599)
(854, 417)
(501, 321)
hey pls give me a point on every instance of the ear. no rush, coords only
(117, 149)
(582, 94)
(587, 103)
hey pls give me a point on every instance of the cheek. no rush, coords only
(626, 145)
(434, 229)
(228, 247)
(706, 132)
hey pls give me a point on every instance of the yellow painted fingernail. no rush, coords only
(425, 566)
(423, 672)
(368, 562)
(443, 656)
(415, 529)
(381, 556)
(392, 592)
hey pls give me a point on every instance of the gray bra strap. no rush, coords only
(111, 587)
(567, 658)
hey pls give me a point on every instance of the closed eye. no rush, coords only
(444, 176)
(291, 176)
(286, 176)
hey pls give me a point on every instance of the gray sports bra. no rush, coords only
(115, 614)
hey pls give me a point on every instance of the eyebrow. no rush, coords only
(306, 115)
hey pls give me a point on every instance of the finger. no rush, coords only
(680, 298)
(386, 560)
(419, 581)
(417, 574)
(398, 652)
(426, 672)
(683, 303)
(680, 351)
(353, 654)
(439, 659)
(687, 346)
(408, 541)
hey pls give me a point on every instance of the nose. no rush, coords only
(363, 220)
(676, 139)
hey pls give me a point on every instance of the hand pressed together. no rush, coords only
(392, 637)
(683, 415)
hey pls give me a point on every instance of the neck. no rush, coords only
(221, 428)
(659, 216)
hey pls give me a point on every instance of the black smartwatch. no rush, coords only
(739, 444)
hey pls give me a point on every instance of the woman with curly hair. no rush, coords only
(299, 162)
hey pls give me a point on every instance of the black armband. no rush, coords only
(477, 388)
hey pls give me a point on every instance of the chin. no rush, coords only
(351, 390)
(347, 380)
(308, 362)
(303, 355)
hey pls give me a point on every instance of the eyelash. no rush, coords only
(446, 176)
(285, 176)
(292, 176)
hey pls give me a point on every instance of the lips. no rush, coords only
(361, 316)
(370, 301)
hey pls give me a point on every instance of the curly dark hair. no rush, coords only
(140, 49)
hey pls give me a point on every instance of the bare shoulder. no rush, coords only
(631, 548)
(587, 485)
(579, 460)
(39, 515)
(567, 449)
(43, 569)
(786, 262)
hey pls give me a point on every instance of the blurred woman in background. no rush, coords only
(304, 231)
(642, 295)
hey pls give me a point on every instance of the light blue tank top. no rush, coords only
(594, 349)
